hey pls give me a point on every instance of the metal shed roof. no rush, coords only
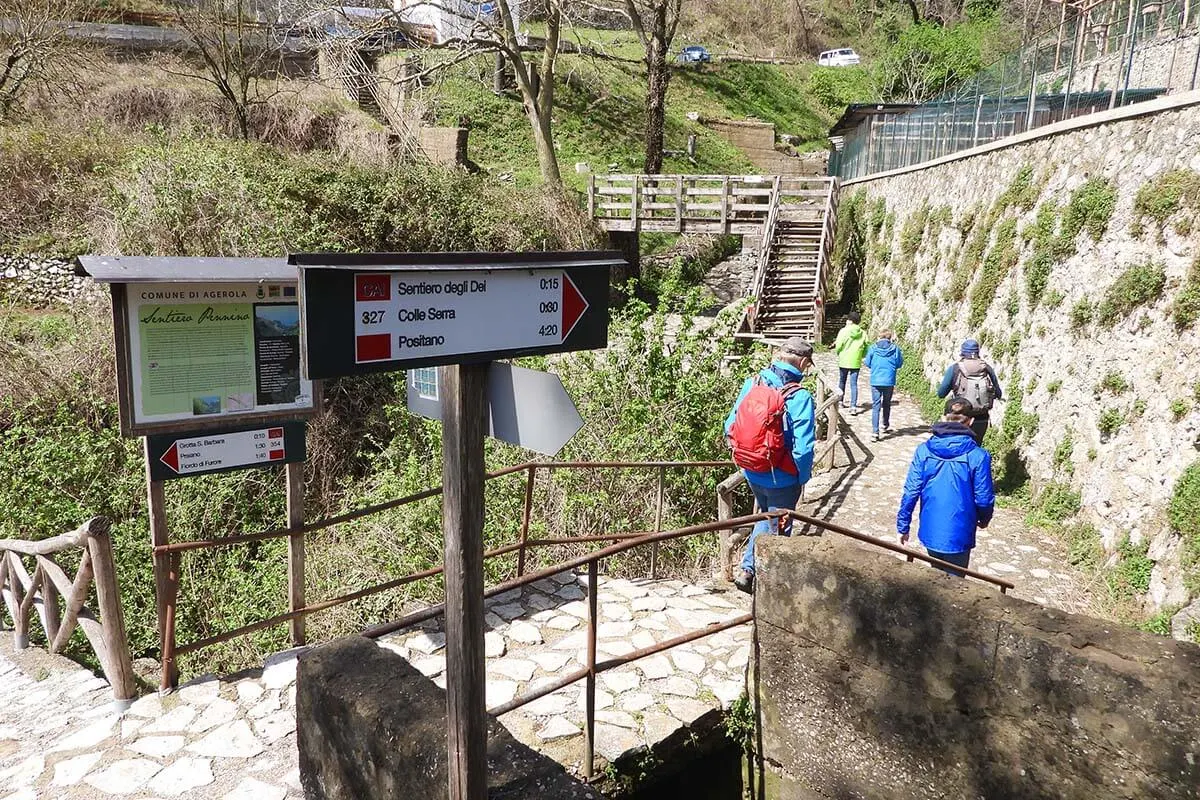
(433, 262)
(153, 269)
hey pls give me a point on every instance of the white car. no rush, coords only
(843, 57)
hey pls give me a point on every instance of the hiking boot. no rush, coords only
(745, 582)
(875, 436)
(854, 412)
(887, 429)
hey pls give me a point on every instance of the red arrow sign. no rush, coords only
(574, 305)
(171, 457)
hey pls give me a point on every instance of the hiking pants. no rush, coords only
(768, 499)
(958, 559)
(881, 400)
(979, 426)
(851, 375)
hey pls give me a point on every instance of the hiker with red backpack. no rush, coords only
(974, 380)
(772, 432)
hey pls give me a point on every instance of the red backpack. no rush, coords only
(756, 435)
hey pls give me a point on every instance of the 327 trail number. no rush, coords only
(372, 317)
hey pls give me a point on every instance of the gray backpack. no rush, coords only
(973, 384)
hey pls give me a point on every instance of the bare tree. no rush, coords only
(237, 55)
(36, 49)
(655, 22)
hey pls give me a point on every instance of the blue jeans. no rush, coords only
(881, 398)
(769, 499)
(958, 559)
(845, 373)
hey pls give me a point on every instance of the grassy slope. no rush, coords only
(599, 114)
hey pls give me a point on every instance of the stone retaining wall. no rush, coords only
(1126, 476)
(883, 679)
(42, 282)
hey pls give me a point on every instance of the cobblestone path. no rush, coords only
(866, 495)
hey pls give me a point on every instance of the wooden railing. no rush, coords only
(694, 203)
(356, 77)
(828, 231)
(827, 406)
(50, 583)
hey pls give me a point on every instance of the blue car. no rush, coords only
(694, 54)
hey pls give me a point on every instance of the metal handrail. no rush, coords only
(593, 667)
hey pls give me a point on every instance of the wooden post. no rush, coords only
(589, 728)
(464, 424)
(592, 195)
(118, 664)
(679, 203)
(725, 204)
(18, 585)
(51, 613)
(294, 473)
(166, 580)
(635, 197)
(75, 601)
(529, 476)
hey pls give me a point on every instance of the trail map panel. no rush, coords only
(183, 455)
(206, 353)
(370, 317)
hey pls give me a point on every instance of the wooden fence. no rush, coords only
(50, 583)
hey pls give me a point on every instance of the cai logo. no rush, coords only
(372, 286)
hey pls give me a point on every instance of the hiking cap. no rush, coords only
(797, 347)
(970, 347)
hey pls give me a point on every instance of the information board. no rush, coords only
(211, 352)
(374, 318)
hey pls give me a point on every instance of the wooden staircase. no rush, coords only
(789, 285)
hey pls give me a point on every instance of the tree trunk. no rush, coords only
(658, 79)
(543, 141)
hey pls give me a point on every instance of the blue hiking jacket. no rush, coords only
(799, 427)
(884, 359)
(952, 477)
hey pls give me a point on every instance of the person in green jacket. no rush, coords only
(851, 346)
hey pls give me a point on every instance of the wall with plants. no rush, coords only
(1075, 261)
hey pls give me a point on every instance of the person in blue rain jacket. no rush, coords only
(884, 359)
(951, 477)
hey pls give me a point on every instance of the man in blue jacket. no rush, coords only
(951, 474)
(781, 487)
(884, 359)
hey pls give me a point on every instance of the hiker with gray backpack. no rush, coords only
(973, 379)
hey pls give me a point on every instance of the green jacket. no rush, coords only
(851, 346)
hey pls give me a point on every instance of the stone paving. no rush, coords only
(540, 634)
(60, 737)
(866, 495)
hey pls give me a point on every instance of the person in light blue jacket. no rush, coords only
(781, 488)
(883, 360)
(951, 476)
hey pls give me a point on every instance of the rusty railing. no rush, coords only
(42, 591)
(592, 561)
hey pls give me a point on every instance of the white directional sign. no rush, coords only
(402, 316)
(382, 312)
(175, 457)
(527, 408)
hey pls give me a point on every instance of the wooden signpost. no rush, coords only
(459, 311)
(208, 370)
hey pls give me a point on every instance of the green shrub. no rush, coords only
(1136, 286)
(1160, 623)
(1179, 409)
(1057, 502)
(1081, 314)
(1139, 407)
(1053, 386)
(1001, 258)
(1084, 549)
(1063, 452)
(1037, 271)
(1183, 513)
(1130, 577)
(1022, 192)
(1054, 298)
(1185, 309)
(1090, 209)
(913, 231)
(1158, 199)
(1111, 420)
(1113, 382)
